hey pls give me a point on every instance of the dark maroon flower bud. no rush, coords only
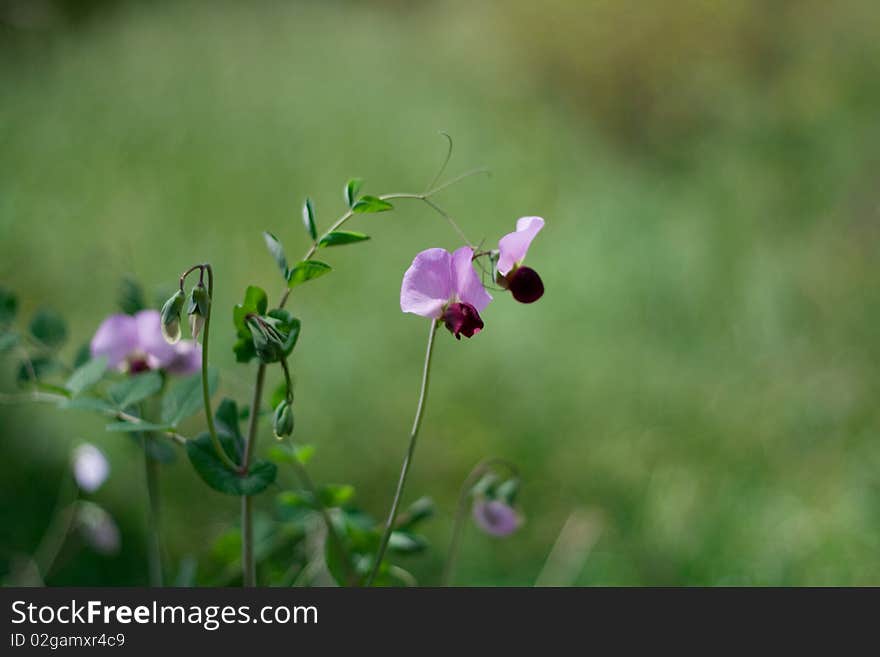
(525, 285)
(462, 319)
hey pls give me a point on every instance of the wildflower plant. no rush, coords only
(146, 378)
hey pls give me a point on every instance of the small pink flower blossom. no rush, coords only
(496, 517)
(90, 467)
(444, 286)
(134, 343)
(523, 282)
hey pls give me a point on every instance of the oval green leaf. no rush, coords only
(371, 204)
(340, 237)
(214, 473)
(307, 270)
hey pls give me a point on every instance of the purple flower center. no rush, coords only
(525, 285)
(462, 319)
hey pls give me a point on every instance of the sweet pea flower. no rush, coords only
(98, 528)
(523, 282)
(90, 467)
(496, 517)
(134, 343)
(444, 286)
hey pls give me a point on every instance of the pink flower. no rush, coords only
(444, 286)
(90, 467)
(523, 282)
(496, 517)
(134, 343)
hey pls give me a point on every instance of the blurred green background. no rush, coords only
(695, 394)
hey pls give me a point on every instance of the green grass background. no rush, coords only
(700, 380)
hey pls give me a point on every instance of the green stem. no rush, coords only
(407, 461)
(154, 547)
(206, 393)
(478, 471)
(248, 562)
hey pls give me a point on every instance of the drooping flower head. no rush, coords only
(90, 467)
(444, 286)
(523, 282)
(496, 517)
(134, 343)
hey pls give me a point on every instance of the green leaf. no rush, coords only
(406, 543)
(8, 340)
(134, 389)
(129, 427)
(422, 509)
(85, 376)
(352, 187)
(371, 204)
(88, 404)
(255, 302)
(131, 296)
(8, 306)
(277, 251)
(298, 453)
(226, 417)
(83, 355)
(334, 557)
(39, 367)
(185, 398)
(48, 327)
(304, 453)
(244, 350)
(308, 214)
(306, 270)
(214, 473)
(333, 495)
(340, 237)
(297, 499)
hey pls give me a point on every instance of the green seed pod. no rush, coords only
(171, 317)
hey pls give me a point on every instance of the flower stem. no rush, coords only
(206, 393)
(478, 471)
(407, 461)
(248, 561)
(154, 547)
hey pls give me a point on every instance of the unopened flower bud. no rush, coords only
(268, 342)
(507, 491)
(283, 420)
(171, 317)
(199, 305)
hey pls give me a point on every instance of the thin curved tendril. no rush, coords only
(445, 162)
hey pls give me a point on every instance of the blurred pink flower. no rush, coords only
(444, 286)
(90, 467)
(134, 343)
(495, 517)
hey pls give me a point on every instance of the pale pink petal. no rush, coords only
(116, 338)
(187, 360)
(90, 467)
(151, 341)
(427, 284)
(514, 246)
(466, 282)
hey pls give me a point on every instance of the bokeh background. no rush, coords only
(696, 394)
